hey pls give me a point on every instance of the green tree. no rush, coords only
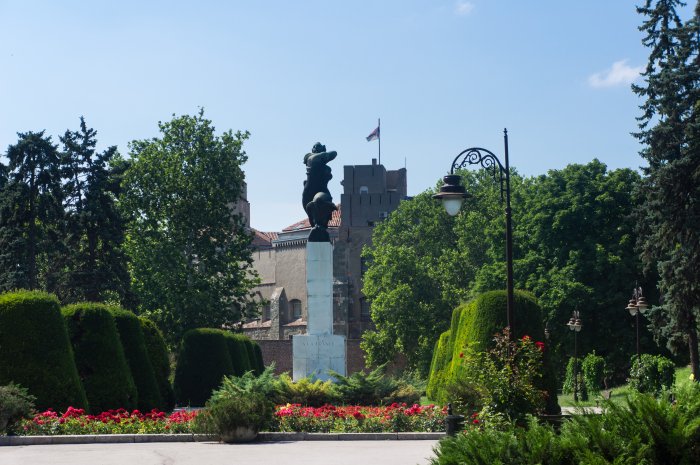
(31, 220)
(573, 248)
(421, 264)
(190, 260)
(95, 262)
(669, 129)
(576, 240)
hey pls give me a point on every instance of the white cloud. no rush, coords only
(463, 8)
(618, 74)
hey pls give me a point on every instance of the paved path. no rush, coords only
(209, 453)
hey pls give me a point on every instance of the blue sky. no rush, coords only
(442, 75)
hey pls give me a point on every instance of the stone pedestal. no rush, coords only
(319, 350)
(315, 354)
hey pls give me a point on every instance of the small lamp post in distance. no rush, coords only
(636, 306)
(575, 324)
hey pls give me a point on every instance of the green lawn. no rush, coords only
(619, 393)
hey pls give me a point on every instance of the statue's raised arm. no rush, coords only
(316, 199)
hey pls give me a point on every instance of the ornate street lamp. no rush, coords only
(575, 325)
(452, 194)
(636, 306)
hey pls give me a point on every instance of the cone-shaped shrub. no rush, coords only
(259, 362)
(474, 325)
(137, 357)
(160, 360)
(238, 351)
(99, 357)
(35, 351)
(203, 361)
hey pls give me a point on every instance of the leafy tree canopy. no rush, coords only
(190, 260)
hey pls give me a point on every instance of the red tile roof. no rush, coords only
(263, 239)
(304, 224)
(256, 324)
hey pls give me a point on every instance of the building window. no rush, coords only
(266, 312)
(364, 190)
(296, 309)
(364, 309)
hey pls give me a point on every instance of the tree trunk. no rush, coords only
(31, 237)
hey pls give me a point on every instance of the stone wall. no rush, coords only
(281, 353)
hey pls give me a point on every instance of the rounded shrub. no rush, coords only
(35, 351)
(99, 357)
(160, 360)
(203, 361)
(474, 325)
(132, 339)
(239, 353)
(651, 373)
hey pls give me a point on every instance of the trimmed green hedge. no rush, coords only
(238, 352)
(99, 357)
(474, 324)
(259, 362)
(137, 357)
(442, 357)
(35, 351)
(160, 360)
(203, 361)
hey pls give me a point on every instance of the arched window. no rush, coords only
(364, 190)
(295, 305)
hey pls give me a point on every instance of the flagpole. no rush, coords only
(379, 145)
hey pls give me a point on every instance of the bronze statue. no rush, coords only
(316, 199)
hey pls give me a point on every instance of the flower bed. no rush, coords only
(356, 419)
(287, 418)
(75, 421)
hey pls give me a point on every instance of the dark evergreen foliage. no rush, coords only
(95, 262)
(99, 357)
(669, 129)
(160, 360)
(238, 351)
(31, 215)
(35, 351)
(203, 361)
(132, 339)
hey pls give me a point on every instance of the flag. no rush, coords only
(373, 135)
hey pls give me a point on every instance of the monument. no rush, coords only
(319, 350)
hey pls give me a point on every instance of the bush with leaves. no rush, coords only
(241, 402)
(651, 373)
(575, 366)
(306, 391)
(360, 388)
(504, 378)
(15, 404)
(594, 372)
(644, 430)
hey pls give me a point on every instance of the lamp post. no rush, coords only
(452, 194)
(575, 325)
(637, 305)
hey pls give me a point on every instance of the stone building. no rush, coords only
(370, 194)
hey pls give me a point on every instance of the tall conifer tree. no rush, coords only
(31, 214)
(95, 263)
(669, 126)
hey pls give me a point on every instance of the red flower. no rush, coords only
(540, 345)
(526, 338)
(461, 355)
